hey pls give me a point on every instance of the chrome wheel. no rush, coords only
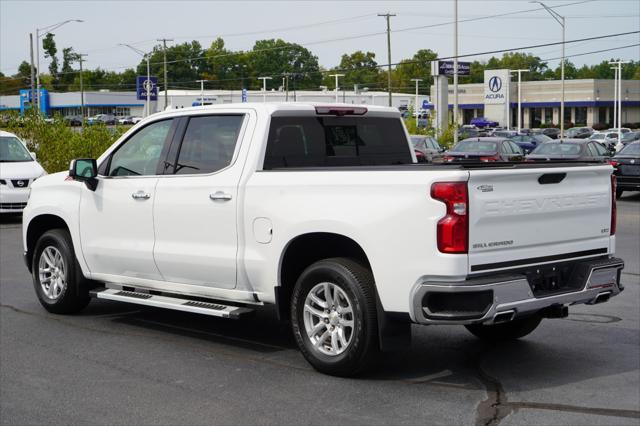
(328, 319)
(52, 273)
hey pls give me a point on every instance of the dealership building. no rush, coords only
(587, 102)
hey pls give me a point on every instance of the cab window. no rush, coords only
(142, 152)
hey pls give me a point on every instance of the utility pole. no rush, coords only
(166, 86)
(46, 30)
(560, 19)
(417, 80)
(81, 60)
(519, 98)
(33, 95)
(286, 86)
(337, 76)
(388, 18)
(264, 87)
(455, 72)
(615, 96)
(201, 91)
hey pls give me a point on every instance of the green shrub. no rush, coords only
(56, 144)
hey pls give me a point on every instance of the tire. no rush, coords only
(507, 331)
(619, 192)
(351, 345)
(66, 291)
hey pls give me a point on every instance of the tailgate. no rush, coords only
(537, 215)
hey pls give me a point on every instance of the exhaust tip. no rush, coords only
(602, 297)
(503, 316)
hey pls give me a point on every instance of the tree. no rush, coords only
(227, 69)
(278, 57)
(67, 76)
(419, 66)
(358, 68)
(50, 50)
(185, 63)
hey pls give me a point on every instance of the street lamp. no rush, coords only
(560, 20)
(147, 86)
(337, 76)
(417, 80)
(264, 87)
(202, 91)
(519, 98)
(46, 30)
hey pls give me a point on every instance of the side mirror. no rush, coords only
(84, 170)
(33, 155)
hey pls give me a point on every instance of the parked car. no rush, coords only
(525, 142)
(570, 150)
(552, 132)
(623, 130)
(630, 137)
(318, 213)
(541, 138)
(609, 140)
(627, 168)
(102, 118)
(485, 150)
(468, 132)
(505, 133)
(483, 122)
(73, 120)
(128, 119)
(136, 120)
(427, 149)
(18, 170)
(578, 133)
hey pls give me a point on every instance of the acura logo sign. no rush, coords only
(495, 84)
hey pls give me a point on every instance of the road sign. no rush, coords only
(143, 85)
(446, 68)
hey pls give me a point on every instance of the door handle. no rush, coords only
(220, 196)
(140, 195)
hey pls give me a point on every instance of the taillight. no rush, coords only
(340, 111)
(612, 229)
(453, 228)
(488, 159)
(449, 158)
(613, 163)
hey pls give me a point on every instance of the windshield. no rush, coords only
(417, 141)
(558, 149)
(633, 149)
(475, 146)
(541, 138)
(597, 136)
(12, 150)
(630, 136)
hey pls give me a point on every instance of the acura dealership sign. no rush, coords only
(496, 85)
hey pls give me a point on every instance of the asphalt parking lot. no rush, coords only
(122, 364)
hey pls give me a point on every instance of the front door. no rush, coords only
(196, 208)
(116, 220)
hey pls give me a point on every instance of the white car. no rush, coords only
(623, 130)
(607, 139)
(321, 212)
(18, 170)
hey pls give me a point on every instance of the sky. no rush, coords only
(328, 28)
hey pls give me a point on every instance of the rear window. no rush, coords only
(558, 149)
(633, 149)
(335, 142)
(476, 146)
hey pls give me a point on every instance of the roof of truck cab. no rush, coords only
(271, 107)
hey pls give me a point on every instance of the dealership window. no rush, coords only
(548, 115)
(567, 115)
(581, 116)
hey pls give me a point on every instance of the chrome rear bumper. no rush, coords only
(500, 298)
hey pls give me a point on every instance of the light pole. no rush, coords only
(560, 20)
(81, 60)
(46, 30)
(615, 96)
(619, 90)
(455, 71)
(202, 91)
(417, 80)
(264, 87)
(148, 88)
(519, 97)
(337, 76)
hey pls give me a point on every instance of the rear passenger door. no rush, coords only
(195, 210)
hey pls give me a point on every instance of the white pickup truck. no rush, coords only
(321, 211)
